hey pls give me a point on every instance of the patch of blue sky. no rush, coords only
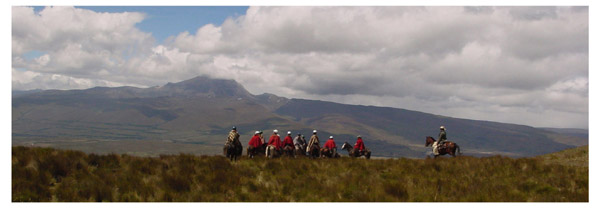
(166, 21)
(30, 55)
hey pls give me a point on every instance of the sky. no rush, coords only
(524, 65)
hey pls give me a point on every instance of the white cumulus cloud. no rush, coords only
(524, 65)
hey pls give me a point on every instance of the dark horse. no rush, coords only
(354, 152)
(447, 148)
(233, 151)
(251, 151)
(314, 152)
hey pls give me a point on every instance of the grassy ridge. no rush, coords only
(45, 174)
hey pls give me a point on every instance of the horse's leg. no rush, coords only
(453, 150)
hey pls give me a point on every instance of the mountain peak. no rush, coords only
(209, 86)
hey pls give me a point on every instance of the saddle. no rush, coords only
(444, 145)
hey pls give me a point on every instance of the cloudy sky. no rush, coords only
(525, 65)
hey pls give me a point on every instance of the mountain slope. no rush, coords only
(195, 115)
(410, 127)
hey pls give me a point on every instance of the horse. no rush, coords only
(353, 153)
(313, 151)
(288, 151)
(232, 151)
(328, 153)
(300, 150)
(447, 148)
(272, 152)
(251, 151)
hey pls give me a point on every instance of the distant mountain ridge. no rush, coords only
(195, 115)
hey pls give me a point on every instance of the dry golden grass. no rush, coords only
(44, 174)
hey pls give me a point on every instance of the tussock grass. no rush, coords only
(44, 174)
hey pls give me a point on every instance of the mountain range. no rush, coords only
(195, 116)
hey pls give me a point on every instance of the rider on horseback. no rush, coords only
(275, 140)
(314, 140)
(330, 145)
(233, 138)
(288, 140)
(299, 142)
(359, 146)
(255, 142)
(441, 139)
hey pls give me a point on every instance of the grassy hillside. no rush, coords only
(570, 157)
(45, 174)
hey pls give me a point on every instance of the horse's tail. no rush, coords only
(458, 148)
(267, 150)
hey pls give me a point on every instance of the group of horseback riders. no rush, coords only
(296, 146)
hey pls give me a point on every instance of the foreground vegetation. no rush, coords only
(45, 174)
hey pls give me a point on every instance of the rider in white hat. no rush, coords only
(330, 144)
(314, 140)
(288, 141)
(440, 141)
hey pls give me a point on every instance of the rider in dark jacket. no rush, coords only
(441, 139)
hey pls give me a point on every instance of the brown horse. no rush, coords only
(447, 148)
(354, 152)
(324, 152)
(288, 151)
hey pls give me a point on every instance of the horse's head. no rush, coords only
(429, 140)
(346, 146)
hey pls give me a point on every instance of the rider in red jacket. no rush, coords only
(275, 140)
(255, 141)
(288, 140)
(359, 144)
(330, 144)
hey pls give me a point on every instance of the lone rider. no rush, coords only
(299, 142)
(233, 138)
(441, 139)
(330, 145)
(275, 140)
(255, 142)
(288, 140)
(359, 145)
(314, 140)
